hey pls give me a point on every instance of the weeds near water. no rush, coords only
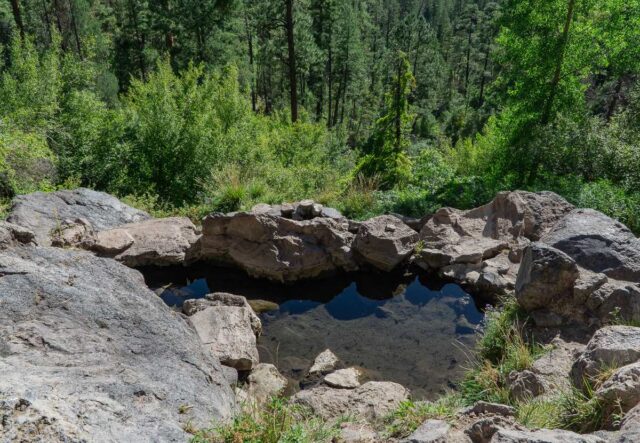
(409, 415)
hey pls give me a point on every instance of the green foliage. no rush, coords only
(278, 422)
(409, 414)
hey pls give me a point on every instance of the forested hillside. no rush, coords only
(191, 106)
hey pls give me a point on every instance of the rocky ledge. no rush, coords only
(89, 353)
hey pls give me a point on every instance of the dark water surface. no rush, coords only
(405, 328)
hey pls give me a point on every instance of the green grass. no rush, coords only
(409, 414)
(278, 422)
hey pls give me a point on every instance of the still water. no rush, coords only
(408, 328)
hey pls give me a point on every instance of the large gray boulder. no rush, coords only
(89, 353)
(229, 328)
(43, 213)
(611, 346)
(158, 242)
(545, 280)
(278, 248)
(458, 242)
(384, 242)
(597, 243)
(370, 401)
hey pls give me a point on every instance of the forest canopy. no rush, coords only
(370, 105)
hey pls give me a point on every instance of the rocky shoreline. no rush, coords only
(89, 353)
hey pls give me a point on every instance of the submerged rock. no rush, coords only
(89, 353)
(325, 362)
(43, 212)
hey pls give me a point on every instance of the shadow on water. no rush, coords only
(410, 328)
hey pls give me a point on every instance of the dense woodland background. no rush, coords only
(189, 106)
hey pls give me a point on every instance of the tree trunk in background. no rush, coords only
(559, 61)
(293, 87)
(17, 16)
(74, 26)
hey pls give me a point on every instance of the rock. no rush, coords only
(549, 374)
(72, 233)
(525, 384)
(43, 212)
(89, 353)
(597, 243)
(509, 222)
(483, 407)
(430, 431)
(384, 242)
(343, 378)
(609, 347)
(14, 235)
(260, 306)
(370, 401)
(543, 436)
(482, 430)
(230, 375)
(325, 362)
(156, 242)
(545, 280)
(278, 248)
(263, 383)
(630, 427)
(330, 213)
(357, 433)
(229, 332)
(622, 389)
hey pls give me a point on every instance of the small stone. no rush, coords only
(543, 436)
(260, 306)
(431, 431)
(325, 362)
(344, 378)
(357, 433)
(261, 208)
(483, 407)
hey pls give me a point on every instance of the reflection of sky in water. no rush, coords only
(350, 304)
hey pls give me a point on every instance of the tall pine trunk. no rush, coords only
(17, 16)
(293, 87)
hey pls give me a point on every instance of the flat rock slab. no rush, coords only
(543, 436)
(89, 353)
(371, 401)
(343, 378)
(43, 212)
(156, 242)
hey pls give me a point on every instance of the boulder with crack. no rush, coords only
(44, 213)
(278, 248)
(14, 235)
(456, 243)
(228, 327)
(384, 242)
(86, 349)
